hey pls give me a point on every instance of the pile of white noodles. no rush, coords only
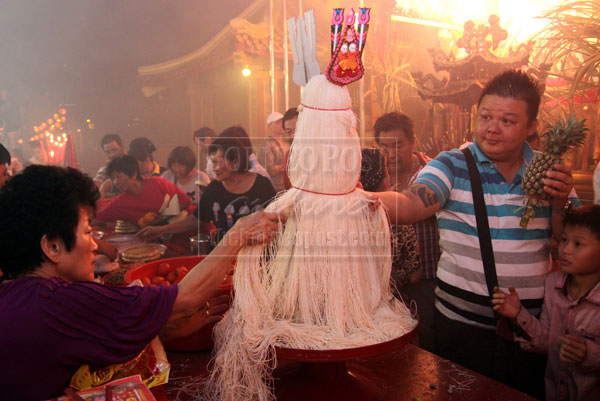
(324, 282)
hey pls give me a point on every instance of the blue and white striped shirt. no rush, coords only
(522, 255)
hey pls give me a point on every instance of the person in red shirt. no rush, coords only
(138, 195)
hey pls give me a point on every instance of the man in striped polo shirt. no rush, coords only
(464, 321)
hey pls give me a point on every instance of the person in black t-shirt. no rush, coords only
(236, 192)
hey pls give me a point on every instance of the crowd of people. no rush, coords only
(488, 317)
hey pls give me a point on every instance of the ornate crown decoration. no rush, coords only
(347, 45)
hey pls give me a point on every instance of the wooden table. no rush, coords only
(409, 374)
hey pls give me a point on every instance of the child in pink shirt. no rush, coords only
(569, 327)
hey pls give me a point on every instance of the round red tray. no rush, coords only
(327, 375)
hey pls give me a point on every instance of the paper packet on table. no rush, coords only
(130, 388)
(151, 364)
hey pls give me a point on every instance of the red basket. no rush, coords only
(149, 269)
(200, 340)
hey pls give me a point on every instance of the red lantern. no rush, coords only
(50, 121)
(58, 125)
(43, 126)
(62, 111)
(36, 129)
(51, 128)
(55, 116)
(63, 119)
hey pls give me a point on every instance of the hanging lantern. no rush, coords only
(36, 129)
(62, 111)
(56, 116)
(63, 119)
(43, 126)
(50, 121)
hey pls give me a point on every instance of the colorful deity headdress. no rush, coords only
(347, 45)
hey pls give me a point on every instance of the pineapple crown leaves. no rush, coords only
(563, 135)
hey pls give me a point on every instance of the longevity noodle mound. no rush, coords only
(324, 282)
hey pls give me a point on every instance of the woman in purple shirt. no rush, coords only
(54, 318)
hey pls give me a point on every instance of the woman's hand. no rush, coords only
(256, 228)
(211, 313)
(558, 184)
(573, 349)
(508, 305)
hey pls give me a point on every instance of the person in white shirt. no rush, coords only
(183, 172)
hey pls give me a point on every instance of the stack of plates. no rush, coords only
(141, 252)
(120, 240)
(126, 227)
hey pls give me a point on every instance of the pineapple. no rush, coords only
(559, 138)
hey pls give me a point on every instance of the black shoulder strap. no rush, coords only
(483, 227)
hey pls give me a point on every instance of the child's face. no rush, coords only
(579, 251)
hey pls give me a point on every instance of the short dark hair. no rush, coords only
(518, 85)
(233, 150)
(124, 164)
(4, 155)
(373, 169)
(240, 133)
(587, 216)
(204, 132)
(108, 138)
(141, 149)
(182, 155)
(395, 121)
(26, 217)
(289, 114)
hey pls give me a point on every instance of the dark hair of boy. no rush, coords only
(587, 216)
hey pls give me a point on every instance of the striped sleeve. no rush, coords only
(438, 175)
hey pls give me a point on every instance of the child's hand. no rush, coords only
(573, 349)
(508, 305)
